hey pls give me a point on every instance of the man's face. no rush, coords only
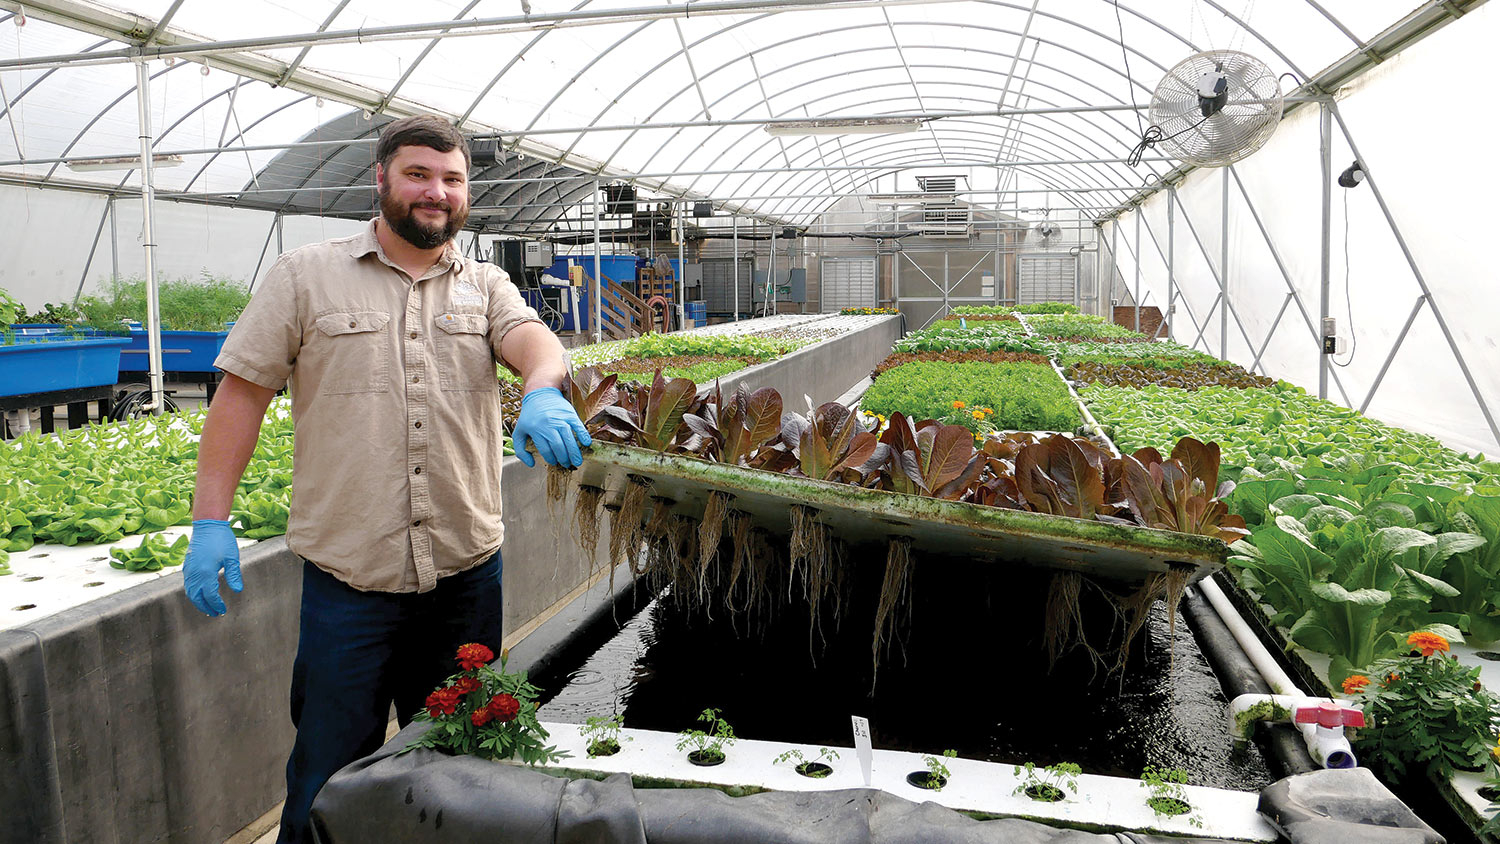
(424, 195)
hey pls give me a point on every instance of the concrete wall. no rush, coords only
(135, 718)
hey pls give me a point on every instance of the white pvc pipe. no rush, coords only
(1261, 658)
(1329, 746)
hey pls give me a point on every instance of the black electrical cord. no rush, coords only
(1348, 303)
(131, 402)
(1153, 136)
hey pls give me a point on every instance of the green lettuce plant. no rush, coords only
(153, 554)
(1023, 396)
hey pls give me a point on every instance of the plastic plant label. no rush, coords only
(862, 745)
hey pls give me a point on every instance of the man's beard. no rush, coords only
(403, 222)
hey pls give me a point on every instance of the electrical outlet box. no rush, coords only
(1330, 345)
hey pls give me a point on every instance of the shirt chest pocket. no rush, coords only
(356, 352)
(465, 360)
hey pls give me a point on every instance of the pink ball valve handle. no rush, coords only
(1330, 714)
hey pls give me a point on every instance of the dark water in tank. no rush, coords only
(968, 671)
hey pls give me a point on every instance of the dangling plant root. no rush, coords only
(739, 537)
(617, 533)
(557, 490)
(709, 533)
(760, 566)
(684, 537)
(662, 551)
(840, 581)
(1062, 621)
(1136, 608)
(1177, 579)
(586, 517)
(625, 524)
(809, 558)
(895, 589)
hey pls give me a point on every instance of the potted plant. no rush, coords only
(815, 768)
(1165, 793)
(484, 712)
(936, 775)
(1047, 784)
(708, 745)
(603, 734)
(1427, 712)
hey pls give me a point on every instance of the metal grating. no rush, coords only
(1047, 278)
(848, 283)
(718, 285)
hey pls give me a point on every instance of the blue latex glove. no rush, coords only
(549, 421)
(211, 550)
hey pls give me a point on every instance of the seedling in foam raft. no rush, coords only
(817, 767)
(1167, 797)
(936, 775)
(603, 734)
(1047, 784)
(708, 745)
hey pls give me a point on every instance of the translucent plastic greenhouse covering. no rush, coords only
(263, 113)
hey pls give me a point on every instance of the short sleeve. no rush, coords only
(507, 308)
(263, 345)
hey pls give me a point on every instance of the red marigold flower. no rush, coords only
(442, 702)
(1355, 683)
(466, 685)
(1392, 678)
(473, 656)
(504, 707)
(481, 716)
(1427, 642)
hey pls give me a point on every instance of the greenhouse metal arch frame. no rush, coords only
(1052, 99)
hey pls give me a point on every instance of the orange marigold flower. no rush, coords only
(1427, 642)
(1355, 683)
(1392, 678)
(958, 405)
(473, 656)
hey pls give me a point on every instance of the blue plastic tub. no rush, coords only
(182, 351)
(41, 365)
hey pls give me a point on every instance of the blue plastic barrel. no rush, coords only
(697, 311)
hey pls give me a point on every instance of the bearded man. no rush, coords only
(387, 342)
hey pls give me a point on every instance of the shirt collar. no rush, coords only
(366, 243)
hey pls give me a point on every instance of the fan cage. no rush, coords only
(1245, 123)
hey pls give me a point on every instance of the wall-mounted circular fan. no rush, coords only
(1216, 108)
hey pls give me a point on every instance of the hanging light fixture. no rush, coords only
(1352, 175)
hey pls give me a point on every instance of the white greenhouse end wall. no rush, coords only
(1416, 130)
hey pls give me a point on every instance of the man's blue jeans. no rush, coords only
(359, 652)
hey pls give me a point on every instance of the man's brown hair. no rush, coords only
(422, 130)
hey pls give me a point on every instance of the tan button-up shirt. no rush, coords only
(395, 405)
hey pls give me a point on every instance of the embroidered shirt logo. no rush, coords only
(466, 295)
